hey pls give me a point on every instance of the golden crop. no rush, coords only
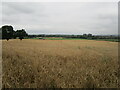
(59, 64)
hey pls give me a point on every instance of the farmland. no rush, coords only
(34, 63)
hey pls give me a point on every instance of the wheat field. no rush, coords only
(59, 64)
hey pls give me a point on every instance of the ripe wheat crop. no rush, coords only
(59, 64)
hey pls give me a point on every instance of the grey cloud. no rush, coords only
(75, 18)
(17, 8)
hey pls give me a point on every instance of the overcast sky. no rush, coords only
(62, 17)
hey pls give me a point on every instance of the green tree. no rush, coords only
(0, 33)
(89, 35)
(7, 32)
(21, 34)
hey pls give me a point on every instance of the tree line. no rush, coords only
(84, 36)
(7, 32)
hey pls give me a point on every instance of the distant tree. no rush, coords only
(0, 33)
(85, 36)
(7, 32)
(21, 34)
(89, 35)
